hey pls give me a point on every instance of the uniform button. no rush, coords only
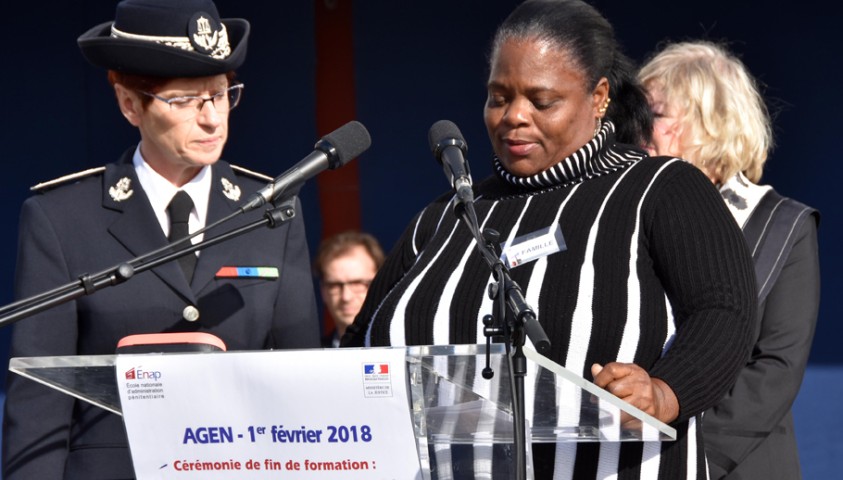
(190, 313)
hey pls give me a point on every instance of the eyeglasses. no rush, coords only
(224, 101)
(356, 287)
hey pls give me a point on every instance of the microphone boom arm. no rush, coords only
(511, 315)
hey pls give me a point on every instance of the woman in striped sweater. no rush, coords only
(652, 296)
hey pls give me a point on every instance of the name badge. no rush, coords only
(533, 246)
(247, 272)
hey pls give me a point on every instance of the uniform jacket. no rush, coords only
(99, 222)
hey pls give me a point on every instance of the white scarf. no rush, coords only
(742, 196)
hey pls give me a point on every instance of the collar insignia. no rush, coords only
(122, 190)
(230, 190)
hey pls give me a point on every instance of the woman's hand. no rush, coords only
(634, 385)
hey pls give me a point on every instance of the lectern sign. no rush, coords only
(310, 414)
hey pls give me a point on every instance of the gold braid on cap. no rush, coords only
(222, 50)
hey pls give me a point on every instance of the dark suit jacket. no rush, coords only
(80, 228)
(750, 434)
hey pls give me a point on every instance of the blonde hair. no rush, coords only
(724, 122)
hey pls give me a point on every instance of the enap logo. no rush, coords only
(138, 373)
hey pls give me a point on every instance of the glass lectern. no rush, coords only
(461, 420)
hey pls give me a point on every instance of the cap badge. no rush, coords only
(208, 36)
(230, 190)
(122, 190)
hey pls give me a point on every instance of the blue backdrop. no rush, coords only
(416, 63)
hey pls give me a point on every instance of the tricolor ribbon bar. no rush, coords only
(247, 272)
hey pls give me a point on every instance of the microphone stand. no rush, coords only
(91, 283)
(511, 317)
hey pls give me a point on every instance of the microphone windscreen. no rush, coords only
(350, 140)
(442, 134)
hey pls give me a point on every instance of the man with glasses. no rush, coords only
(345, 265)
(172, 67)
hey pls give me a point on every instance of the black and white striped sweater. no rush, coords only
(655, 272)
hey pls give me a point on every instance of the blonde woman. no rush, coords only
(708, 110)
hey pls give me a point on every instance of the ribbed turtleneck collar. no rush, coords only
(595, 158)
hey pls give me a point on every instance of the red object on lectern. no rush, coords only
(171, 342)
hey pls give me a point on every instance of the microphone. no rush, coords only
(449, 148)
(330, 152)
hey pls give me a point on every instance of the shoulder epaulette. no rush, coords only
(66, 178)
(246, 171)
